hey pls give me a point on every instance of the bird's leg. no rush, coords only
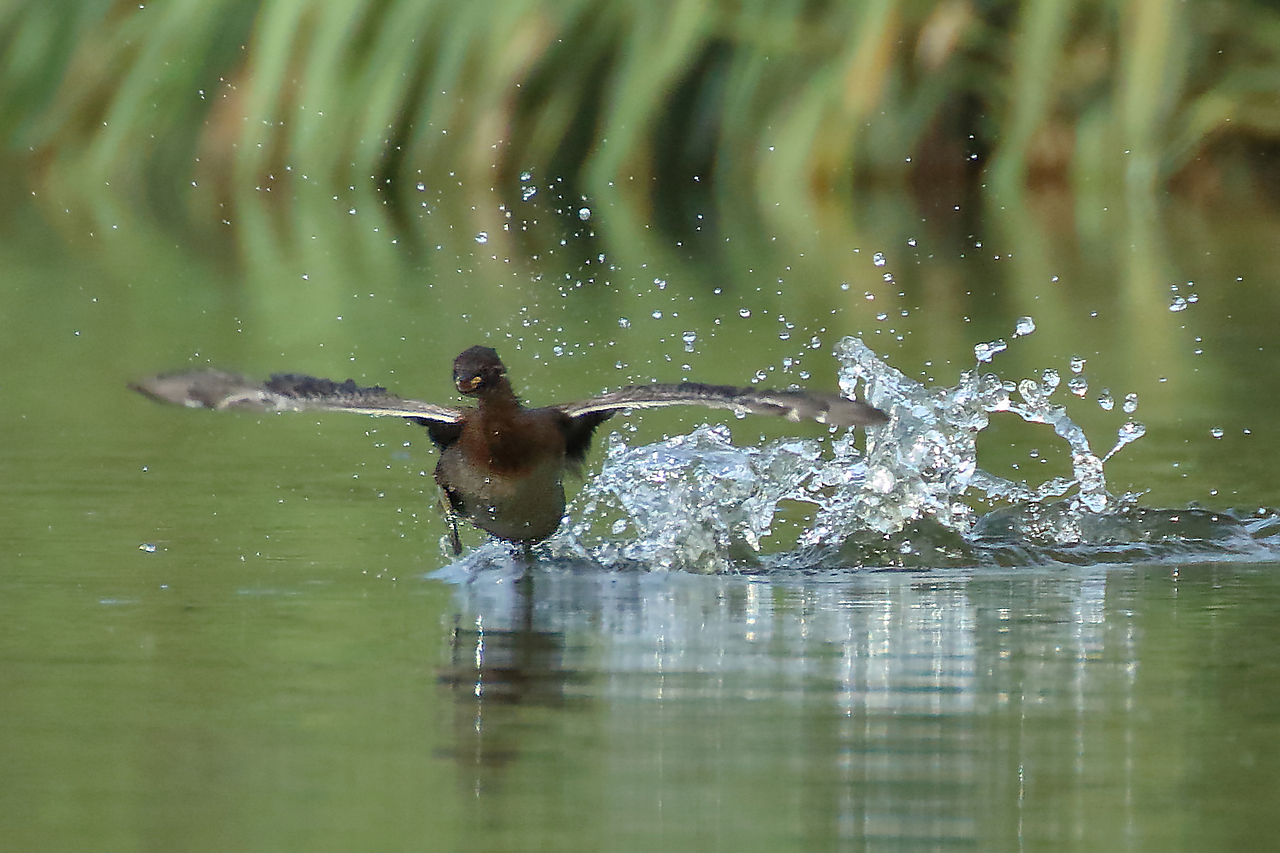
(529, 560)
(524, 588)
(452, 517)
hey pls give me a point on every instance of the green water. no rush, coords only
(219, 633)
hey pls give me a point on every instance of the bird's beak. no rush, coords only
(467, 385)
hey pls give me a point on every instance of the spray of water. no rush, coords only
(911, 498)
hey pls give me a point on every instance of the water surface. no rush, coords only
(229, 632)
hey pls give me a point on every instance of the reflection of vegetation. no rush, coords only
(382, 105)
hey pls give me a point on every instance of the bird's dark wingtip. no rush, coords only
(874, 416)
(203, 388)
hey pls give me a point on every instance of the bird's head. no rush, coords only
(477, 369)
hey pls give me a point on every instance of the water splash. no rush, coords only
(694, 502)
(915, 496)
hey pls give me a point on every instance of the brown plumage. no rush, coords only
(501, 465)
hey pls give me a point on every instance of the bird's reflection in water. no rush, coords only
(495, 673)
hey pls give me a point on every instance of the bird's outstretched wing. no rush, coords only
(793, 405)
(285, 392)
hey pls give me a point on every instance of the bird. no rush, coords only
(502, 465)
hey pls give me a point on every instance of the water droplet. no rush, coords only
(482, 237)
(584, 213)
(1178, 304)
(624, 323)
(525, 177)
(1077, 364)
(1216, 432)
(1051, 380)
(744, 313)
(878, 259)
(1131, 431)
(1106, 401)
(1023, 327)
(657, 315)
(987, 351)
(1030, 390)
(1130, 404)
(689, 338)
(1078, 385)
(148, 547)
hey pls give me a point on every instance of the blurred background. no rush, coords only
(217, 635)
(224, 121)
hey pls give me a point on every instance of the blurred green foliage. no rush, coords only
(229, 115)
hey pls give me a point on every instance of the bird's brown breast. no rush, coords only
(512, 443)
(505, 472)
